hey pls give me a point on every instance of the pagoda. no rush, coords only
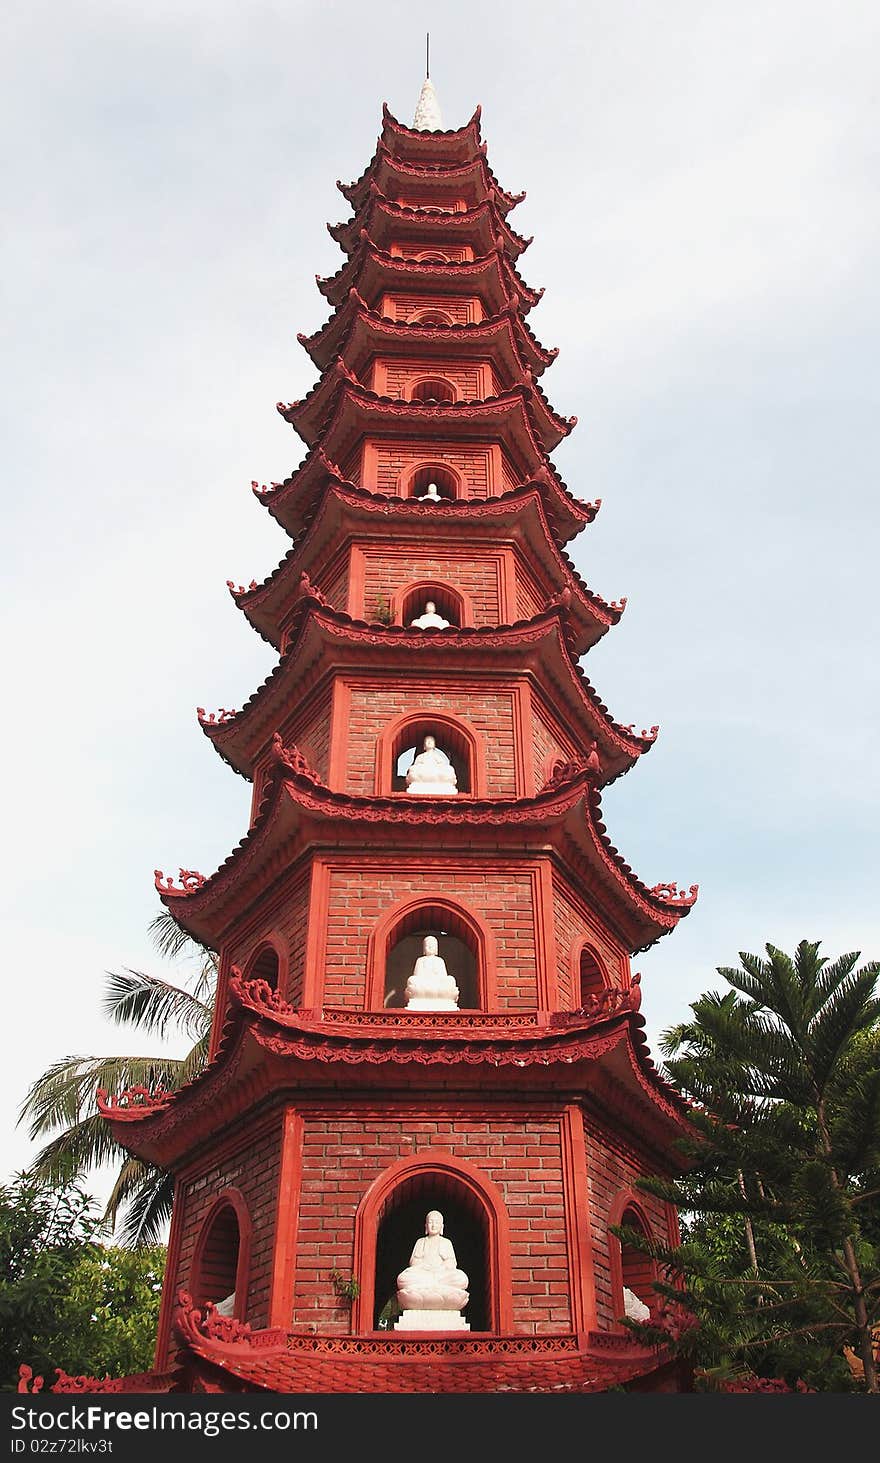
(427, 761)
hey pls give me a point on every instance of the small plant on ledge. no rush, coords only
(346, 1287)
(383, 613)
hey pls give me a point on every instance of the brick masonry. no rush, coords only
(253, 1168)
(343, 1155)
(611, 1170)
(360, 897)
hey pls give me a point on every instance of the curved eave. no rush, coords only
(453, 145)
(380, 216)
(264, 1051)
(267, 606)
(372, 267)
(474, 179)
(319, 1365)
(298, 812)
(355, 330)
(325, 416)
(323, 634)
(294, 501)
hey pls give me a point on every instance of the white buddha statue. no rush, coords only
(432, 1291)
(431, 494)
(634, 1308)
(432, 772)
(430, 620)
(431, 987)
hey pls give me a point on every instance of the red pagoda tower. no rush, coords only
(427, 760)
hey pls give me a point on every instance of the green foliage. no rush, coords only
(63, 1100)
(66, 1300)
(346, 1286)
(780, 1258)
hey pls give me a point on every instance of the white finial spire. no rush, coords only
(428, 117)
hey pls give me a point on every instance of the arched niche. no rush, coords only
(266, 964)
(431, 316)
(221, 1260)
(454, 736)
(432, 256)
(431, 389)
(414, 483)
(630, 1267)
(464, 943)
(591, 975)
(391, 1217)
(409, 603)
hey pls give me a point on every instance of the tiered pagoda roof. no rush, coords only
(422, 191)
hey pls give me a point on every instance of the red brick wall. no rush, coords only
(610, 1170)
(573, 929)
(427, 198)
(409, 250)
(359, 897)
(394, 378)
(253, 1168)
(284, 916)
(309, 729)
(477, 577)
(511, 478)
(374, 705)
(343, 1155)
(395, 458)
(459, 308)
(530, 600)
(548, 745)
(333, 581)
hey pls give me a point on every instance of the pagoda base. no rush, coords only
(431, 1321)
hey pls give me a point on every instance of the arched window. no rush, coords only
(220, 1263)
(631, 1269)
(391, 1217)
(456, 945)
(404, 738)
(432, 389)
(448, 603)
(266, 966)
(432, 257)
(637, 1269)
(430, 317)
(593, 980)
(395, 945)
(409, 742)
(401, 1223)
(444, 479)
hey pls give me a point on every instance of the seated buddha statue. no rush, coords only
(431, 987)
(430, 620)
(432, 772)
(431, 494)
(432, 1291)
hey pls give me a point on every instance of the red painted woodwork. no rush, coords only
(330, 1117)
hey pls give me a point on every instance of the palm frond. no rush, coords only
(82, 1146)
(129, 1180)
(170, 940)
(66, 1091)
(153, 1004)
(149, 1210)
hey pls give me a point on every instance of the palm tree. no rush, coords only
(784, 1069)
(62, 1100)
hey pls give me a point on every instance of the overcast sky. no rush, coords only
(702, 188)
